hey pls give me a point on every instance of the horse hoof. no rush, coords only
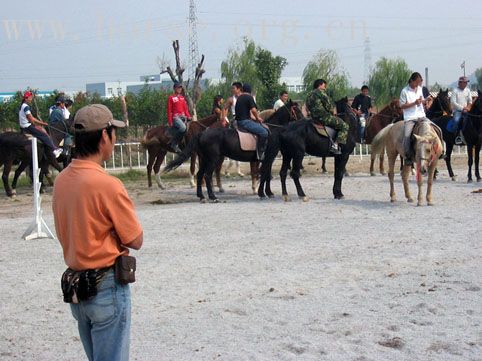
(221, 190)
(160, 185)
(270, 196)
(410, 200)
(286, 199)
(419, 204)
(202, 200)
(347, 174)
(340, 197)
(478, 180)
(305, 199)
(241, 174)
(214, 200)
(227, 175)
(430, 203)
(324, 171)
(373, 174)
(469, 181)
(383, 173)
(454, 179)
(193, 184)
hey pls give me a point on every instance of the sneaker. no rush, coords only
(334, 149)
(58, 152)
(458, 140)
(176, 148)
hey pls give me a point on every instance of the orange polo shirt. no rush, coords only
(94, 217)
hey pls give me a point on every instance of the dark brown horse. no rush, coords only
(389, 114)
(157, 142)
(16, 148)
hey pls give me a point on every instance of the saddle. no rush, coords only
(248, 140)
(324, 130)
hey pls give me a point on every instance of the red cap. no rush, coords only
(27, 94)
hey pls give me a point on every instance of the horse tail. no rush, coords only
(191, 147)
(378, 143)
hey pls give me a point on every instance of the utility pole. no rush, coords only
(193, 48)
(367, 58)
(426, 78)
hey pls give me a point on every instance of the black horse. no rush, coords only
(301, 138)
(214, 144)
(441, 105)
(472, 130)
(16, 148)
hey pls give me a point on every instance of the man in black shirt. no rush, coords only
(362, 105)
(247, 118)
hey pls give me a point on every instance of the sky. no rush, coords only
(46, 47)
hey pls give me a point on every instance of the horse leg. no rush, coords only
(372, 164)
(295, 174)
(7, 167)
(419, 183)
(254, 166)
(227, 167)
(157, 168)
(150, 163)
(476, 164)
(238, 169)
(470, 151)
(283, 174)
(218, 176)
(192, 169)
(340, 164)
(391, 175)
(17, 174)
(199, 181)
(263, 180)
(382, 160)
(430, 178)
(208, 178)
(448, 161)
(323, 165)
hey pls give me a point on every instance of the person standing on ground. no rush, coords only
(96, 223)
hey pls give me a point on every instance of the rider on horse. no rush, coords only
(177, 115)
(321, 108)
(31, 125)
(247, 118)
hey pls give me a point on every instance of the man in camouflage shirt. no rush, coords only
(321, 108)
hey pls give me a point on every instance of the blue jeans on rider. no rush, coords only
(457, 118)
(253, 127)
(179, 126)
(42, 136)
(104, 321)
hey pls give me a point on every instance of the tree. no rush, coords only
(387, 79)
(240, 66)
(478, 75)
(325, 65)
(268, 69)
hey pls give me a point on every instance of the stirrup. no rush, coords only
(335, 149)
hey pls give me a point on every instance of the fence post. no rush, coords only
(38, 228)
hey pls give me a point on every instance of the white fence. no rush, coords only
(133, 156)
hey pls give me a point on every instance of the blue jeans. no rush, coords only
(104, 322)
(253, 127)
(42, 136)
(457, 117)
(178, 127)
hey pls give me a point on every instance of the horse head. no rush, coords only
(345, 111)
(395, 110)
(287, 113)
(428, 147)
(443, 101)
(295, 110)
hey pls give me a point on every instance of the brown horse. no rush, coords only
(389, 114)
(157, 142)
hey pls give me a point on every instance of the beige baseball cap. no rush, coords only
(95, 117)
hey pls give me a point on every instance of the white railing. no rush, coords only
(133, 156)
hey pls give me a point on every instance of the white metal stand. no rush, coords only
(38, 228)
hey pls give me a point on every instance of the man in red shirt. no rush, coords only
(177, 115)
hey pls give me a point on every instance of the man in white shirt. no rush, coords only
(461, 100)
(283, 98)
(412, 102)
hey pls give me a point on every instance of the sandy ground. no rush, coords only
(357, 279)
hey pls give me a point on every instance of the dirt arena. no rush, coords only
(358, 279)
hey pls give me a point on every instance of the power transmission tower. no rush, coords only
(193, 49)
(367, 59)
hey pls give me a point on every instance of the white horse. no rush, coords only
(428, 148)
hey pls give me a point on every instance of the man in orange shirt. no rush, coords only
(95, 223)
(177, 115)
